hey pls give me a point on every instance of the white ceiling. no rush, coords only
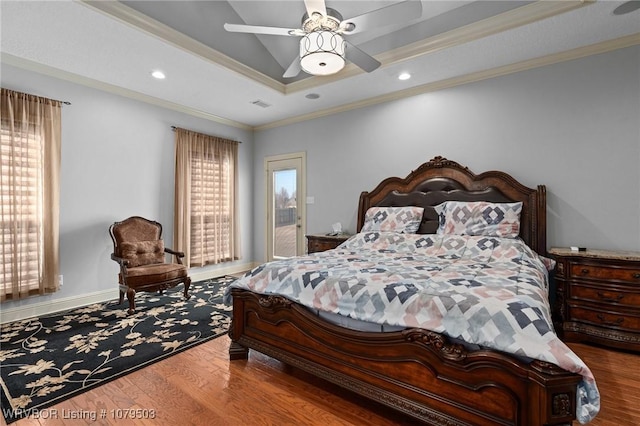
(114, 46)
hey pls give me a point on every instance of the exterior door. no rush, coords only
(285, 205)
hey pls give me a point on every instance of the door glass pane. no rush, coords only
(285, 216)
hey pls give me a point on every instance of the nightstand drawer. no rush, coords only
(317, 243)
(605, 273)
(600, 317)
(605, 295)
(321, 245)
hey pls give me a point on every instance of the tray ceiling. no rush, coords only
(230, 77)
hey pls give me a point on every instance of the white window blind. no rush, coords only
(205, 208)
(21, 231)
(29, 169)
(211, 222)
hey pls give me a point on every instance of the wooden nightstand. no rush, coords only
(322, 242)
(598, 297)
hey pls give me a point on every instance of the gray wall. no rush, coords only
(118, 161)
(573, 126)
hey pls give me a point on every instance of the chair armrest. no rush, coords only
(176, 253)
(121, 261)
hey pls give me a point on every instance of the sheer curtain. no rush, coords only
(205, 219)
(29, 191)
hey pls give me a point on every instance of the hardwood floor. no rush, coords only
(201, 387)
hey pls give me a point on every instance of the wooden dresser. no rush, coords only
(322, 242)
(598, 297)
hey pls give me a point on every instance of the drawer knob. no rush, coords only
(605, 322)
(584, 271)
(603, 297)
(636, 275)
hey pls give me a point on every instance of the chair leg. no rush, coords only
(131, 297)
(187, 284)
(121, 297)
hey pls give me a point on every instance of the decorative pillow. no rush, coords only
(479, 218)
(393, 219)
(140, 253)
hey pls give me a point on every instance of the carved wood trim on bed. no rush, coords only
(442, 180)
(415, 371)
(418, 372)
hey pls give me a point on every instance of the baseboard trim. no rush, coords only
(218, 272)
(57, 305)
(49, 307)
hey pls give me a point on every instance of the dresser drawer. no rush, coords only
(605, 273)
(609, 318)
(598, 297)
(602, 294)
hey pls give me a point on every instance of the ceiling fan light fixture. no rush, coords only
(317, 21)
(322, 52)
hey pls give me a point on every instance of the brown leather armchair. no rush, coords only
(139, 250)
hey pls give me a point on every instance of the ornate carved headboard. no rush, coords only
(440, 180)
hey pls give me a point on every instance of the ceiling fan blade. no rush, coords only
(255, 29)
(315, 6)
(360, 58)
(293, 70)
(390, 15)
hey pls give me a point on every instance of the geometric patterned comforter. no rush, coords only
(488, 291)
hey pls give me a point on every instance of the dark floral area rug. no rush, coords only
(48, 359)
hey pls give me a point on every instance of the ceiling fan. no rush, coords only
(323, 48)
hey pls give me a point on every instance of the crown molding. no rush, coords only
(517, 17)
(594, 49)
(523, 15)
(26, 64)
(132, 17)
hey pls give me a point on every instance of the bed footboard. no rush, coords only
(417, 372)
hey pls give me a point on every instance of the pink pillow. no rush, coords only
(393, 219)
(479, 218)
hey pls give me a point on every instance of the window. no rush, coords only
(29, 193)
(205, 219)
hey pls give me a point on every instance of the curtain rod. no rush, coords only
(38, 96)
(175, 127)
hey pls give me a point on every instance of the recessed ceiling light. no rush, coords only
(312, 96)
(158, 74)
(404, 76)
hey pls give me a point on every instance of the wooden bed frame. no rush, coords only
(418, 372)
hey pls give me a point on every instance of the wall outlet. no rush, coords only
(60, 280)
